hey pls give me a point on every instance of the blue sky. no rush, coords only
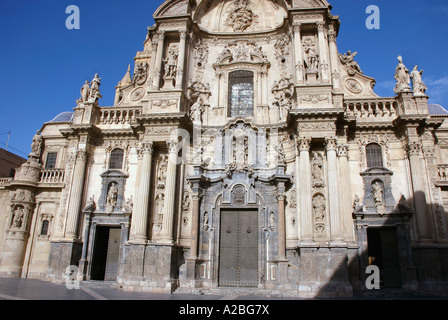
(43, 64)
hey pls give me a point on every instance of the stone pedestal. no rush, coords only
(62, 255)
(150, 268)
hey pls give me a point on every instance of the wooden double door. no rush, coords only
(238, 254)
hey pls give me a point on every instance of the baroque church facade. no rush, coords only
(244, 151)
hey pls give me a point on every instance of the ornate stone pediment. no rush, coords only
(172, 8)
(310, 4)
(237, 16)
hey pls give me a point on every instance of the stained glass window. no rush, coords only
(241, 94)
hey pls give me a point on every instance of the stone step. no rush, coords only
(101, 284)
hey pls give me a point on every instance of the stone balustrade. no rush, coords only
(5, 181)
(371, 108)
(52, 176)
(118, 115)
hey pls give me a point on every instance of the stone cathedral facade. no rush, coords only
(243, 151)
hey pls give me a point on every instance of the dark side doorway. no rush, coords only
(383, 252)
(106, 253)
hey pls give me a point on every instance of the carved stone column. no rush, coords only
(158, 63)
(298, 53)
(306, 210)
(166, 235)
(324, 60)
(141, 205)
(418, 186)
(333, 191)
(345, 195)
(181, 60)
(74, 208)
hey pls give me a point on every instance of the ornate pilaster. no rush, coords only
(141, 205)
(323, 51)
(298, 53)
(306, 217)
(181, 60)
(345, 196)
(158, 62)
(281, 226)
(418, 186)
(333, 57)
(333, 191)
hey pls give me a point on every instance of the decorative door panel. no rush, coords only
(238, 262)
(113, 252)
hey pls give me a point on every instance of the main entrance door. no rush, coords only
(238, 259)
(383, 252)
(106, 253)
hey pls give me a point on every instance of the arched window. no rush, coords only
(116, 159)
(374, 155)
(44, 229)
(241, 93)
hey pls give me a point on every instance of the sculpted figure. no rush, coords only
(377, 192)
(402, 77)
(349, 60)
(111, 199)
(36, 145)
(319, 208)
(419, 86)
(18, 218)
(85, 91)
(196, 110)
(171, 64)
(95, 88)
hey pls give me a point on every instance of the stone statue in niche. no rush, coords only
(402, 77)
(316, 170)
(186, 202)
(112, 196)
(312, 58)
(377, 193)
(206, 226)
(159, 206)
(319, 206)
(171, 64)
(18, 217)
(161, 174)
(419, 86)
(272, 221)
